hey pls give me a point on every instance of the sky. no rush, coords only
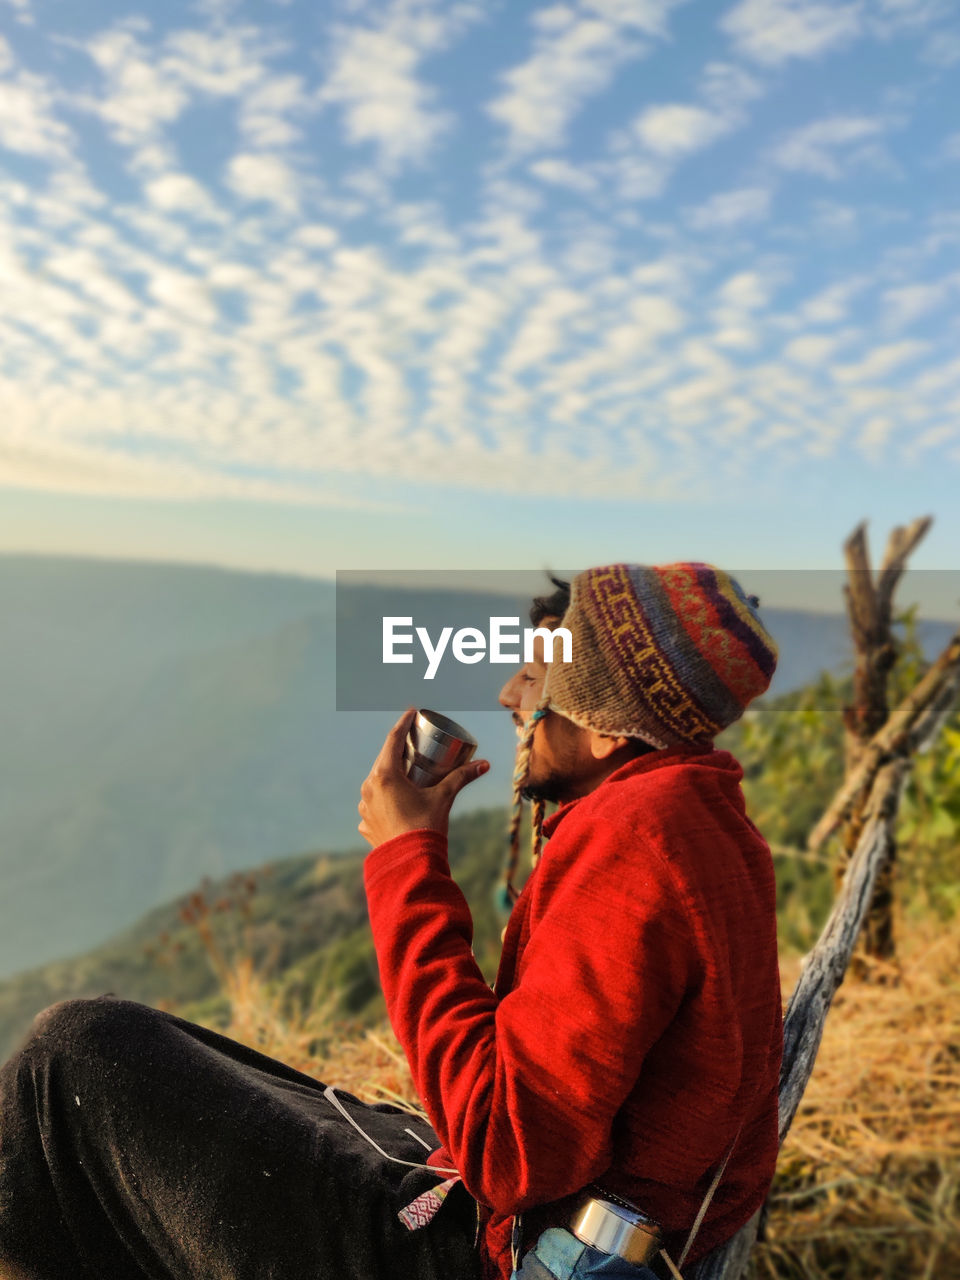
(310, 286)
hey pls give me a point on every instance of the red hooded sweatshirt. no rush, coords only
(635, 1023)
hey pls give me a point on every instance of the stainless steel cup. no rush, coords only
(434, 746)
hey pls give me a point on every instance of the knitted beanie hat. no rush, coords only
(670, 655)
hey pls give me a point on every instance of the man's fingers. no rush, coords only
(456, 780)
(391, 753)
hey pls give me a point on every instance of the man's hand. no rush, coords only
(391, 805)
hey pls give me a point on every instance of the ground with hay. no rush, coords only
(868, 1181)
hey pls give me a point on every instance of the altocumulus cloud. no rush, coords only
(551, 248)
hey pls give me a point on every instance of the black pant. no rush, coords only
(134, 1144)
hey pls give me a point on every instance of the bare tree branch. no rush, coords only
(859, 591)
(900, 546)
(893, 739)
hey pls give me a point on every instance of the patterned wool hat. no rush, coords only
(669, 654)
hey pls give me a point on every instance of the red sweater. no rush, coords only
(636, 1016)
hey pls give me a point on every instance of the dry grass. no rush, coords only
(868, 1182)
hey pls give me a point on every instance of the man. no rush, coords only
(631, 1044)
(632, 1041)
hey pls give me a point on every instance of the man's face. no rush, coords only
(562, 765)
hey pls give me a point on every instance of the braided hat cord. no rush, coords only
(520, 771)
(538, 810)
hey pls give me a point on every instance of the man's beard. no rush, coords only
(552, 789)
(555, 787)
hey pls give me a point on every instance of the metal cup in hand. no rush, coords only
(434, 747)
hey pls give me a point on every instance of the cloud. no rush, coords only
(773, 31)
(542, 330)
(834, 217)
(932, 438)
(27, 122)
(676, 129)
(636, 177)
(648, 16)
(264, 110)
(943, 231)
(746, 291)
(663, 134)
(576, 53)
(317, 236)
(70, 466)
(888, 19)
(873, 437)
(908, 303)
(373, 78)
(184, 295)
(262, 177)
(938, 379)
(383, 101)
(814, 148)
(85, 270)
(943, 49)
(879, 362)
(729, 209)
(832, 304)
(728, 88)
(180, 193)
(286, 311)
(561, 173)
(141, 96)
(812, 350)
(149, 86)
(23, 10)
(225, 63)
(734, 317)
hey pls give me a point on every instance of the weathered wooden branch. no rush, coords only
(859, 590)
(900, 546)
(872, 603)
(870, 608)
(823, 971)
(933, 718)
(730, 1261)
(883, 775)
(893, 739)
(825, 966)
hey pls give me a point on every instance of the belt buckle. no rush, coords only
(613, 1228)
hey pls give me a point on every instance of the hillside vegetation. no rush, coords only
(301, 922)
